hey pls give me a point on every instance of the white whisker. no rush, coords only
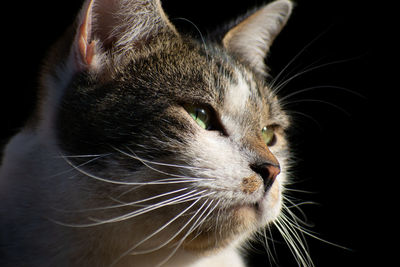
(172, 201)
(294, 223)
(293, 231)
(282, 99)
(297, 207)
(127, 204)
(192, 228)
(176, 234)
(299, 190)
(205, 217)
(157, 182)
(146, 163)
(270, 252)
(131, 252)
(320, 101)
(278, 87)
(96, 157)
(297, 56)
(294, 243)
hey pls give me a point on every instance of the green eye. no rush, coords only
(200, 115)
(268, 135)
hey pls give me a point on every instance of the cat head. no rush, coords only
(159, 118)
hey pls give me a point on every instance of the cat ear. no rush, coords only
(251, 39)
(115, 24)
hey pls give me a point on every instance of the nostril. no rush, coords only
(268, 173)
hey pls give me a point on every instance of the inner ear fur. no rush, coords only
(251, 39)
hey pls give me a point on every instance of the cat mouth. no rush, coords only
(262, 210)
(264, 203)
(269, 206)
(268, 184)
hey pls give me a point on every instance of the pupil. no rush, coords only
(201, 113)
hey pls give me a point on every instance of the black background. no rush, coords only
(342, 130)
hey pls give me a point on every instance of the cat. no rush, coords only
(148, 147)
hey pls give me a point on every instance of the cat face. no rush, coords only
(186, 136)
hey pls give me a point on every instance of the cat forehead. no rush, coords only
(238, 94)
(247, 104)
(241, 89)
(242, 93)
(195, 73)
(191, 64)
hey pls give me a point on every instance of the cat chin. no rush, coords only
(238, 222)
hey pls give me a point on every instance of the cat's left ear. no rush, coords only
(251, 39)
(114, 27)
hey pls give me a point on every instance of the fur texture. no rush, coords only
(112, 170)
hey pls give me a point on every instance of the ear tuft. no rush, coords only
(251, 39)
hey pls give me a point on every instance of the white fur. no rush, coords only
(229, 169)
(227, 258)
(238, 94)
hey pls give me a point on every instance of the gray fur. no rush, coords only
(111, 140)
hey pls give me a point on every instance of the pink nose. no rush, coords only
(268, 173)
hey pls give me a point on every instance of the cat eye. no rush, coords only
(200, 115)
(268, 135)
